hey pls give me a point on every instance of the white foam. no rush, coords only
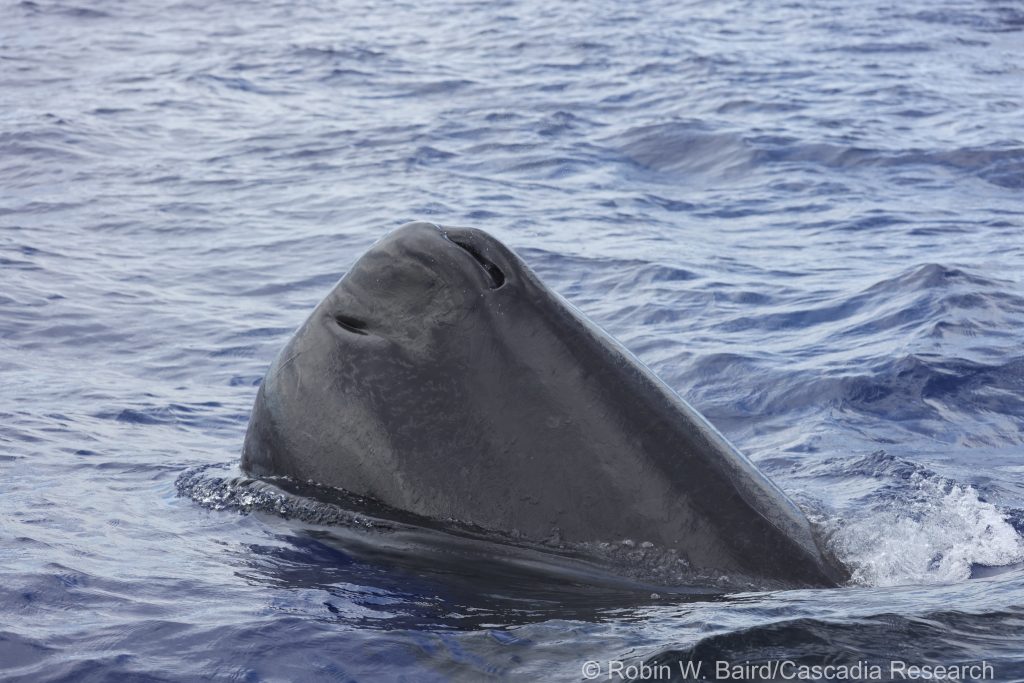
(934, 537)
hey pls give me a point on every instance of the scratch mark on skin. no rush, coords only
(291, 359)
(288, 361)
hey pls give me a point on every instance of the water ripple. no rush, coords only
(804, 216)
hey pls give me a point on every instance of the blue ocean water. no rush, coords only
(805, 216)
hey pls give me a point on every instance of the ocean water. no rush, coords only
(805, 216)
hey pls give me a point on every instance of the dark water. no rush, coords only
(806, 217)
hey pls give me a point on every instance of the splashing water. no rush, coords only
(935, 536)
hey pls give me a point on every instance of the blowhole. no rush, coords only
(350, 324)
(492, 270)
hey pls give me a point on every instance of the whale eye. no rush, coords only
(493, 271)
(350, 324)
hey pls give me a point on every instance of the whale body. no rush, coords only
(441, 377)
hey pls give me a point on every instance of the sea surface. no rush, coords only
(807, 217)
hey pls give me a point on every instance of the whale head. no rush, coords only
(441, 377)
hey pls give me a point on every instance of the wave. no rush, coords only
(685, 147)
(938, 638)
(928, 345)
(700, 148)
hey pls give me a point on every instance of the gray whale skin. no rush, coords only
(441, 377)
